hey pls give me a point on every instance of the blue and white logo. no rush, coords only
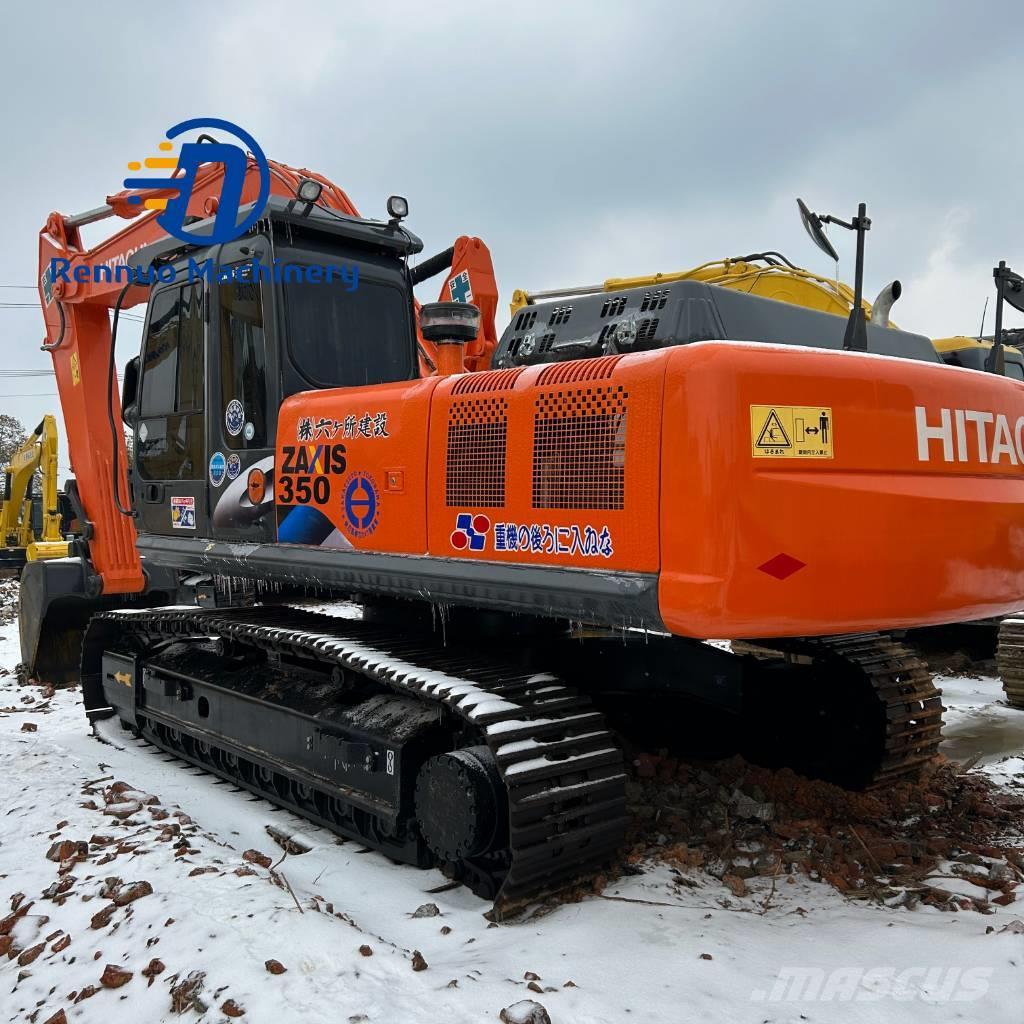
(362, 504)
(184, 168)
(218, 467)
(234, 417)
(234, 466)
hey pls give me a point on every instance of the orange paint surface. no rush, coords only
(643, 463)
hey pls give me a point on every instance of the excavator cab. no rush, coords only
(311, 300)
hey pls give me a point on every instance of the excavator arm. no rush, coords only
(77, 304)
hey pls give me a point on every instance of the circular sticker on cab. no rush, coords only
(361, 504)
(234, 466)
(234, 417)
(218, 468)
(256, 486)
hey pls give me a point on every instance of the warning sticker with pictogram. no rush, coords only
(791, 431)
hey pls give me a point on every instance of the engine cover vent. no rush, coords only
(579, 447)
(654, 300)
(613, 307)
(487, 380)
(475, 466)
(647, 330)
(578, 370)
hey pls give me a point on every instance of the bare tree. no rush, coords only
(12, 434)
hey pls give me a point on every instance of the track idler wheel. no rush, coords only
(461, 805)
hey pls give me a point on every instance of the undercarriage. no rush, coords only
(501, 761)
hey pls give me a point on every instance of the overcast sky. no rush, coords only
(580, 140)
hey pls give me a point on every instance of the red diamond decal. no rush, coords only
(782, 566)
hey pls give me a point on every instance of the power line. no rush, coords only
(35, 305)
(30, 373)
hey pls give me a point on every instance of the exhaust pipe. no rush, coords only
(883, 304)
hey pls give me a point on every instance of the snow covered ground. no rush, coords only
(978, 722)
(657, 947)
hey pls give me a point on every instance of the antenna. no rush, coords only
(1009, 288)
(856, 337)
(981, 329)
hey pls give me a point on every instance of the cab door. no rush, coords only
(243, 397)
(170, 431)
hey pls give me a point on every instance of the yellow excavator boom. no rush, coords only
(774, 277)
(17, 538)
(782, 282)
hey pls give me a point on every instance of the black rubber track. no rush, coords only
(562, 769)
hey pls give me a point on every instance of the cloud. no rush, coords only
(948, 295)
(579, 140)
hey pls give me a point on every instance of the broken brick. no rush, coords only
(25, 958)
(114, 976)
(152, 969)
(132, 892)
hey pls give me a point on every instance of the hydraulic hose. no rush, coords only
(116, 449)
(432, 266)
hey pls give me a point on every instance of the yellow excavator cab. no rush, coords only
(972, 353)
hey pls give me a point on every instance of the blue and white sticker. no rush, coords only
(460, 289)
(218, 467)
(234, 466)
(250, 431)
(234, 417)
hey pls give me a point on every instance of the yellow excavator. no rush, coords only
(769, 275)
(32, 527)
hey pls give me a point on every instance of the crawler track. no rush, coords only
(562, 770)
(1010, 660)
(894, 690)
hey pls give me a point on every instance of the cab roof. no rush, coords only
(299, 216)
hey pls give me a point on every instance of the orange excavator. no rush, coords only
(541, 532)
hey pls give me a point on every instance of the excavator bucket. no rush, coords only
(53, 611)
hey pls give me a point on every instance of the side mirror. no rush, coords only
(813, 226)
(130, 392)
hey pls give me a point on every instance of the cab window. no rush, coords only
(170, 439)
(243, 362)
